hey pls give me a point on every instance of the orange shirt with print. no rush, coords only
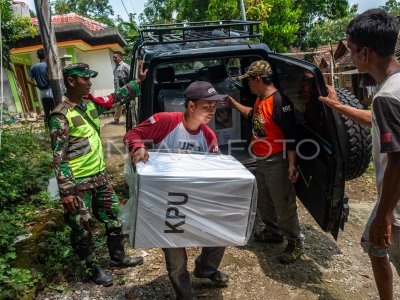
(267, 137)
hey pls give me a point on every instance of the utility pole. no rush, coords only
(243, 10)
(50, 48)
(332, 65)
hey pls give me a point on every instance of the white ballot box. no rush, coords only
(184, 200)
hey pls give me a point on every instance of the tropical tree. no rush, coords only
(129, 31)
(278, 17)
(328, 31)
(392, 6)
(278, 21)
(315, 11)
(99, 10)
(13, 27)
(229, 10)
(157, 11)
(191, 10)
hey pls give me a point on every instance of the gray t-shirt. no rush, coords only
(120, 71)
(386, 131)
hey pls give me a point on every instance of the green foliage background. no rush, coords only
(25, 167)
(99, 10)
(25, 164)
(284, 23)
(12, 28)
(392, 6)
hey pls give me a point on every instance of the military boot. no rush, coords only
(97, 274)
(118, 258)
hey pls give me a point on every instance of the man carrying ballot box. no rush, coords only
(184, 131)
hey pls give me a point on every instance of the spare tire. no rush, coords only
(358, 139)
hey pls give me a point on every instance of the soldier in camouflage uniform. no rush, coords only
(80, 169)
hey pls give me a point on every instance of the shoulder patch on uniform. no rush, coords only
(77, 121)
(60, 109)
(153, 119)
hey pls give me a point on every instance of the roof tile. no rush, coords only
(72, 18)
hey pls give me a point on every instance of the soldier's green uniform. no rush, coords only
(80, 171)
(84, 178)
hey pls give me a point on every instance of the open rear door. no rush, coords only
(319, 150)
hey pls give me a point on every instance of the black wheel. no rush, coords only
(358, 139)
(131, 115)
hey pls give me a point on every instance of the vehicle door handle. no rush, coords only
(308, 183)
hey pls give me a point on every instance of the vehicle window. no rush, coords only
(233, 65)
(182, 67)
(300, 86)
(220, 72)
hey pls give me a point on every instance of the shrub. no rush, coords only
(14, 281)
(25, 167)
(25, 164)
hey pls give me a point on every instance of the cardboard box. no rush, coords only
(185, 200)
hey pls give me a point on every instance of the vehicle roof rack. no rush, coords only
(199, 31)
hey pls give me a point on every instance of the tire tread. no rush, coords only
(359, 140)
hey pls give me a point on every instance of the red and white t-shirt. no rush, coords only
(167, 131)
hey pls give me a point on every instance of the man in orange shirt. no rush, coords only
(273, 145)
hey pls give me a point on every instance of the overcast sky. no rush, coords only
(137, 6)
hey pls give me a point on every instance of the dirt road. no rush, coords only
(329, 269)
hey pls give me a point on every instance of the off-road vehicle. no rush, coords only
(331, 147)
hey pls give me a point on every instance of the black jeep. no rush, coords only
(331, 147)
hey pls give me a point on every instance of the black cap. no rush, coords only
(202, 90)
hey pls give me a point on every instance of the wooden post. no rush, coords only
(332, 65)
(50, 48)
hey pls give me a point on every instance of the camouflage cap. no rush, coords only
(258, 68)
(78, 69)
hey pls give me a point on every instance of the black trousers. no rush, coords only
(48, 106)
(176, 260)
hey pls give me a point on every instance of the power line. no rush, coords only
(132, 7)
(123, 4)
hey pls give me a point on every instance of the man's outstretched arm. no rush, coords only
(361, 116)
